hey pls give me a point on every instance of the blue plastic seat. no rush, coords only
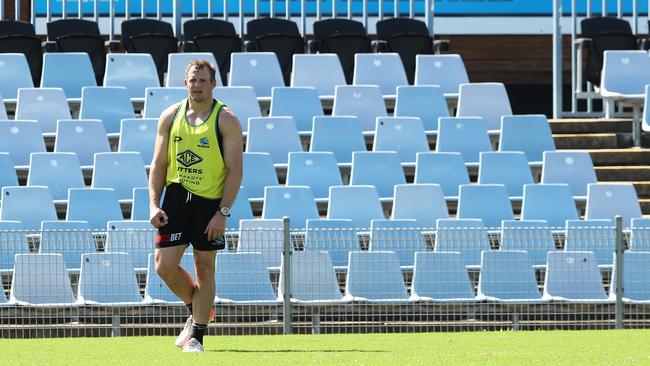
(240, 209)
(277, 136)
(301, 103)
(425, 101)
(12, 242)
(487, 100)
(82, 137)
(108, 279)
(317, 170)
(258, 173)
(156, 290)
(375, 277)
(20, 139)
(261, 70)
(45, 105)
(400, 236)
(606, 200)
(466, 135)
(357, 203)
(488, 202)
(423, 203)
(70, 238)
(138, 135)
(381, 169)
(329, 75)
(240, 100)
(70, 71)
(551, 202)
(3, 110)
(640, 234)
(466, 236)
(446, 169)
(110, 104)
(134, 71)
(29, 205)
(507, 276)
(440, 277)
(532, 236)
(340, 135)
(295, 202)
(447, 71)
(507, 168)
(382, 69)
(597, 236)
(157, 99)
(121, 171)
(530, 134)
(263, 236)
(14, 74)
(140, 206)
(8, 175)
(131, 236)
(234, 288)
(574, 168)
(337, 237)
(573, 277)
(41, 280)
(363, 101)
(405, 135)
(177, 65)
(57, 171)
(636, 278)
(97, 206)
(313, 280)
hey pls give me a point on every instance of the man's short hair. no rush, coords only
(199, 64)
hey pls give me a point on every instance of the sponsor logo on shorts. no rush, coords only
(188, 158)
(168, 238)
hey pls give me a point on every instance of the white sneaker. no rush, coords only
(186, 333)
(193, 346)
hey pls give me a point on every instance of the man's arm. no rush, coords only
(158, 171)
(233, 155)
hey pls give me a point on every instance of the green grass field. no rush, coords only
(627, 347)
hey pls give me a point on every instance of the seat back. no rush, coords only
(441, 276)
(152, 36)
(41, 279)
(425, 101)
(382, 69)
(381, 169)
(241, 101)
(357, 203)
(444, 168)
(404, 135)
(550, 202)
(14, 74)
(8, 175)
(507, 168)
(317, 170)
(530, 134)
(97, 206)
(636, 277)
(134, 237)
(20, 37)
(277, 136)
(466, 236)
(301, 103)
(402, 236)
(12, 242)
(507, 275)
(262, 236)
(29, 205)
(240, 209)
(338, 237)
(295, 202)
(467, 135)
(108, 278)
(134, 71)
(640, 235)
(447, 71)
(45, 105)
(312, 277)
(57, 171)
(157, 99)
(277, 35)
(625, 72)
(70, 71)
(121, 171)
(82, 137)
(572, 275)
(597, 236)
(574, 168)
(242, 277)
(606, 200)
(258, 173)
(110, 104)
(488, 202)
(20, 139)
(140, 206)
(138, 135)
(363, 101)
(329, 76)
(532, 236)
(487, 100)
(375, 276)
(345, 37)
(341, 135)
(177, 65)
(261, 70)
(424, 203)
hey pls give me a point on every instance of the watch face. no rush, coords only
(225, 211)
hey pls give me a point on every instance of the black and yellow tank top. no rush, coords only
(195, 155)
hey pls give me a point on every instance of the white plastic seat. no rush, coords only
(550, 202)
(466, 135)
(82, 137)
(313, 280)
(317, 170)
(447, 71)
(258, 173)
(70, 238)
(404, 135)
(8, 175)
(607, 200)
(375, 277)
(261, 70)
(263, 236)
(29, 205)
(14, 74)
(12, 242)
(341, 135)
(444, 168)
(466, 236)
(108, 279)
(20, 139)
(363, 101)
(295, 202)
(488, 202)
(530, 134)
(381, 169)
(382, 69)
(487, 100)
(329, 75)
(242, 278)
(508, 168)
(357, 203)
(57, 171)
(440, 277)
(424, 203)
(573, 277)
(277, 136)
(157, 99)
(400, 236)
(596, 236)
(507, 276)
(336, 236)
(574, 168)
(532, 236)
(41, 280)
(424, 101)
(138, 135)
(45, 105)
(134, 71)
(97, 206)
(70, 71)
(121, 171)
(110, 104)
(301, 103)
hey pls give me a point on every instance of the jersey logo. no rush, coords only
(178, 139)
(188, 158)
(204, 141)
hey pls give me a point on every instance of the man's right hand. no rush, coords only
(158, 218)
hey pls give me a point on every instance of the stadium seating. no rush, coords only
(12, 242)
(530, 134)
(20, 37)
(295, 202)
(97, 206)
(82, 137)
(157, 99)
(156, 290)
(70, 71)
(508, 277)
(29, 205)
(404, 135)
(140, 206)
(382, 69)
(440, 277)
(151, 36)
(597, 236)
(444, 168)
(488, 202)
(177, 65)
(532, 236)
(241, 101)
(14, 74)
(466, 236)
(336, 236)
(252, 289)
(134, 71)
(425, 101)
(317, 170)
(467, 135)
(57, 171)
(402, 236)
(447, 71)
(550, 202)
(108, 104)
(640, 235)
(329, 75)
(375, 277)
(381, 169)
(131, 236)
(606, 200)
(277, 136)
(340, 135)
(313, 280)
(264, 236)
(486, 100)
(424, 203)
(574, 168)
(357, 203)
(3, 111)
(138, 135)
(240, 209)
(121, 171)
(363, 101)
(41, 280)
(636, 272)
(108, 279)
(20, 139)
(7, 171)
(507, 168)
(573, 277)
(301, 103)
(260, 70)
(258, 173)
(44, 105)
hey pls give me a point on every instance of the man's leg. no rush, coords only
(176, 277)
(203, 299)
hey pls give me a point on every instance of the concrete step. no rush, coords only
(631, 156)
(590, 125)
(586, 141)
(623, 173)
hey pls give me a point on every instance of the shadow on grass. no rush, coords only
(296, 351)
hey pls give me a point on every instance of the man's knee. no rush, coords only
(166, 267)
(204, 269)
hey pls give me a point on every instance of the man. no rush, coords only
(198, 159)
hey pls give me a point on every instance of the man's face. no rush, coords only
(198, 83)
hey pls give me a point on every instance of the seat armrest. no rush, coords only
(441, 45)
(379, 46)
(113, 46)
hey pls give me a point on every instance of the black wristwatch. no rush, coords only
(225, 211)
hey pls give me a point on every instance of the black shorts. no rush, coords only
(188, 215)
